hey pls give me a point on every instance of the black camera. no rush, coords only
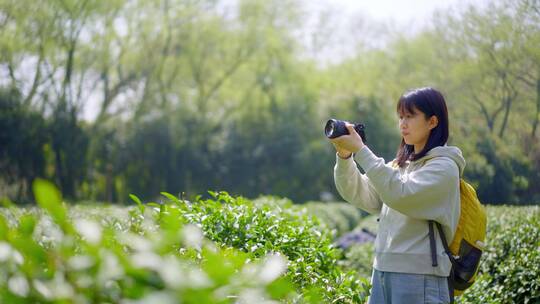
(335, 128)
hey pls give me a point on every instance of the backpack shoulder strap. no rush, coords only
(446, 250)
(434, 246)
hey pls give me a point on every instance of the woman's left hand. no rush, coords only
(351, 142)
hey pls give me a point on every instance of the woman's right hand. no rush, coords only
(343, 153)
(347, 144)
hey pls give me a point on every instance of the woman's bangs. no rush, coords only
(405, 106)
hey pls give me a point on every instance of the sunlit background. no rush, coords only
(123, 123)
(108, 98)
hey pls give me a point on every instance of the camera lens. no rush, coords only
(329, 128)
(335, 128)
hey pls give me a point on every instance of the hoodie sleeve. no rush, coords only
(423, 195)
(355, 187)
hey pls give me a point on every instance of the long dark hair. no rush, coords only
(430, 102)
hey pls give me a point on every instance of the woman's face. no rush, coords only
(415, 128)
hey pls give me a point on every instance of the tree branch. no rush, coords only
(484, 112)
(36, 80)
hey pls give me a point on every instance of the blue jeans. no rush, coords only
(407, 288)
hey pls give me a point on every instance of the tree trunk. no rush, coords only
(509, 96)
(507, 103)
(37, 78)
(537, 116)
(109, 183)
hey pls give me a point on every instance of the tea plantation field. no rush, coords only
(224, 250)
(510, 267)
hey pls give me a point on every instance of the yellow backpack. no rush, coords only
(466, 248)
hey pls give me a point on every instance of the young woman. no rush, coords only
(421, 184)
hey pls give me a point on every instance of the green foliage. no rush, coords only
(149, 162)
(511, 263)
(22, 139)
(359, 258)
(119, 97)
(266, 227)
(500, 177)
(69, 144)
(339, 217)
(221, 250)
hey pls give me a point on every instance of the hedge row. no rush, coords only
(222, 250)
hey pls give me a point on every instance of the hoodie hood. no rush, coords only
(451, 152)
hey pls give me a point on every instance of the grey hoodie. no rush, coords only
(405, 199)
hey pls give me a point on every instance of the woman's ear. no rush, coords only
(433, 122)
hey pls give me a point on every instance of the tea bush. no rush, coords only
(340, 218)
(222, 250)
(510, 267)
(359, 258)
(53, 258)
(271, 225)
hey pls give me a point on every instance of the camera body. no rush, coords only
(336, 128)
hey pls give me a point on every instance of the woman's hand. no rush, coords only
(347, 144)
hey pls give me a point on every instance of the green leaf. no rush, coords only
(6, 202)
(49, 198)
(155, 205)
(4, 228)
(27, 223)
(171, 197)
(138, 201)
(280, 288)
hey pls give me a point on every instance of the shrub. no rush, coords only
(272, 225)
(51, 258)
(222, 250)
(340, 218)
(359, 258)
(511, 263)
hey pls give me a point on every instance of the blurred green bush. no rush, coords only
(220, 250)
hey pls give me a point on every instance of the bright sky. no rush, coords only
(396, 9)
(354, 20)
(403, 11)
